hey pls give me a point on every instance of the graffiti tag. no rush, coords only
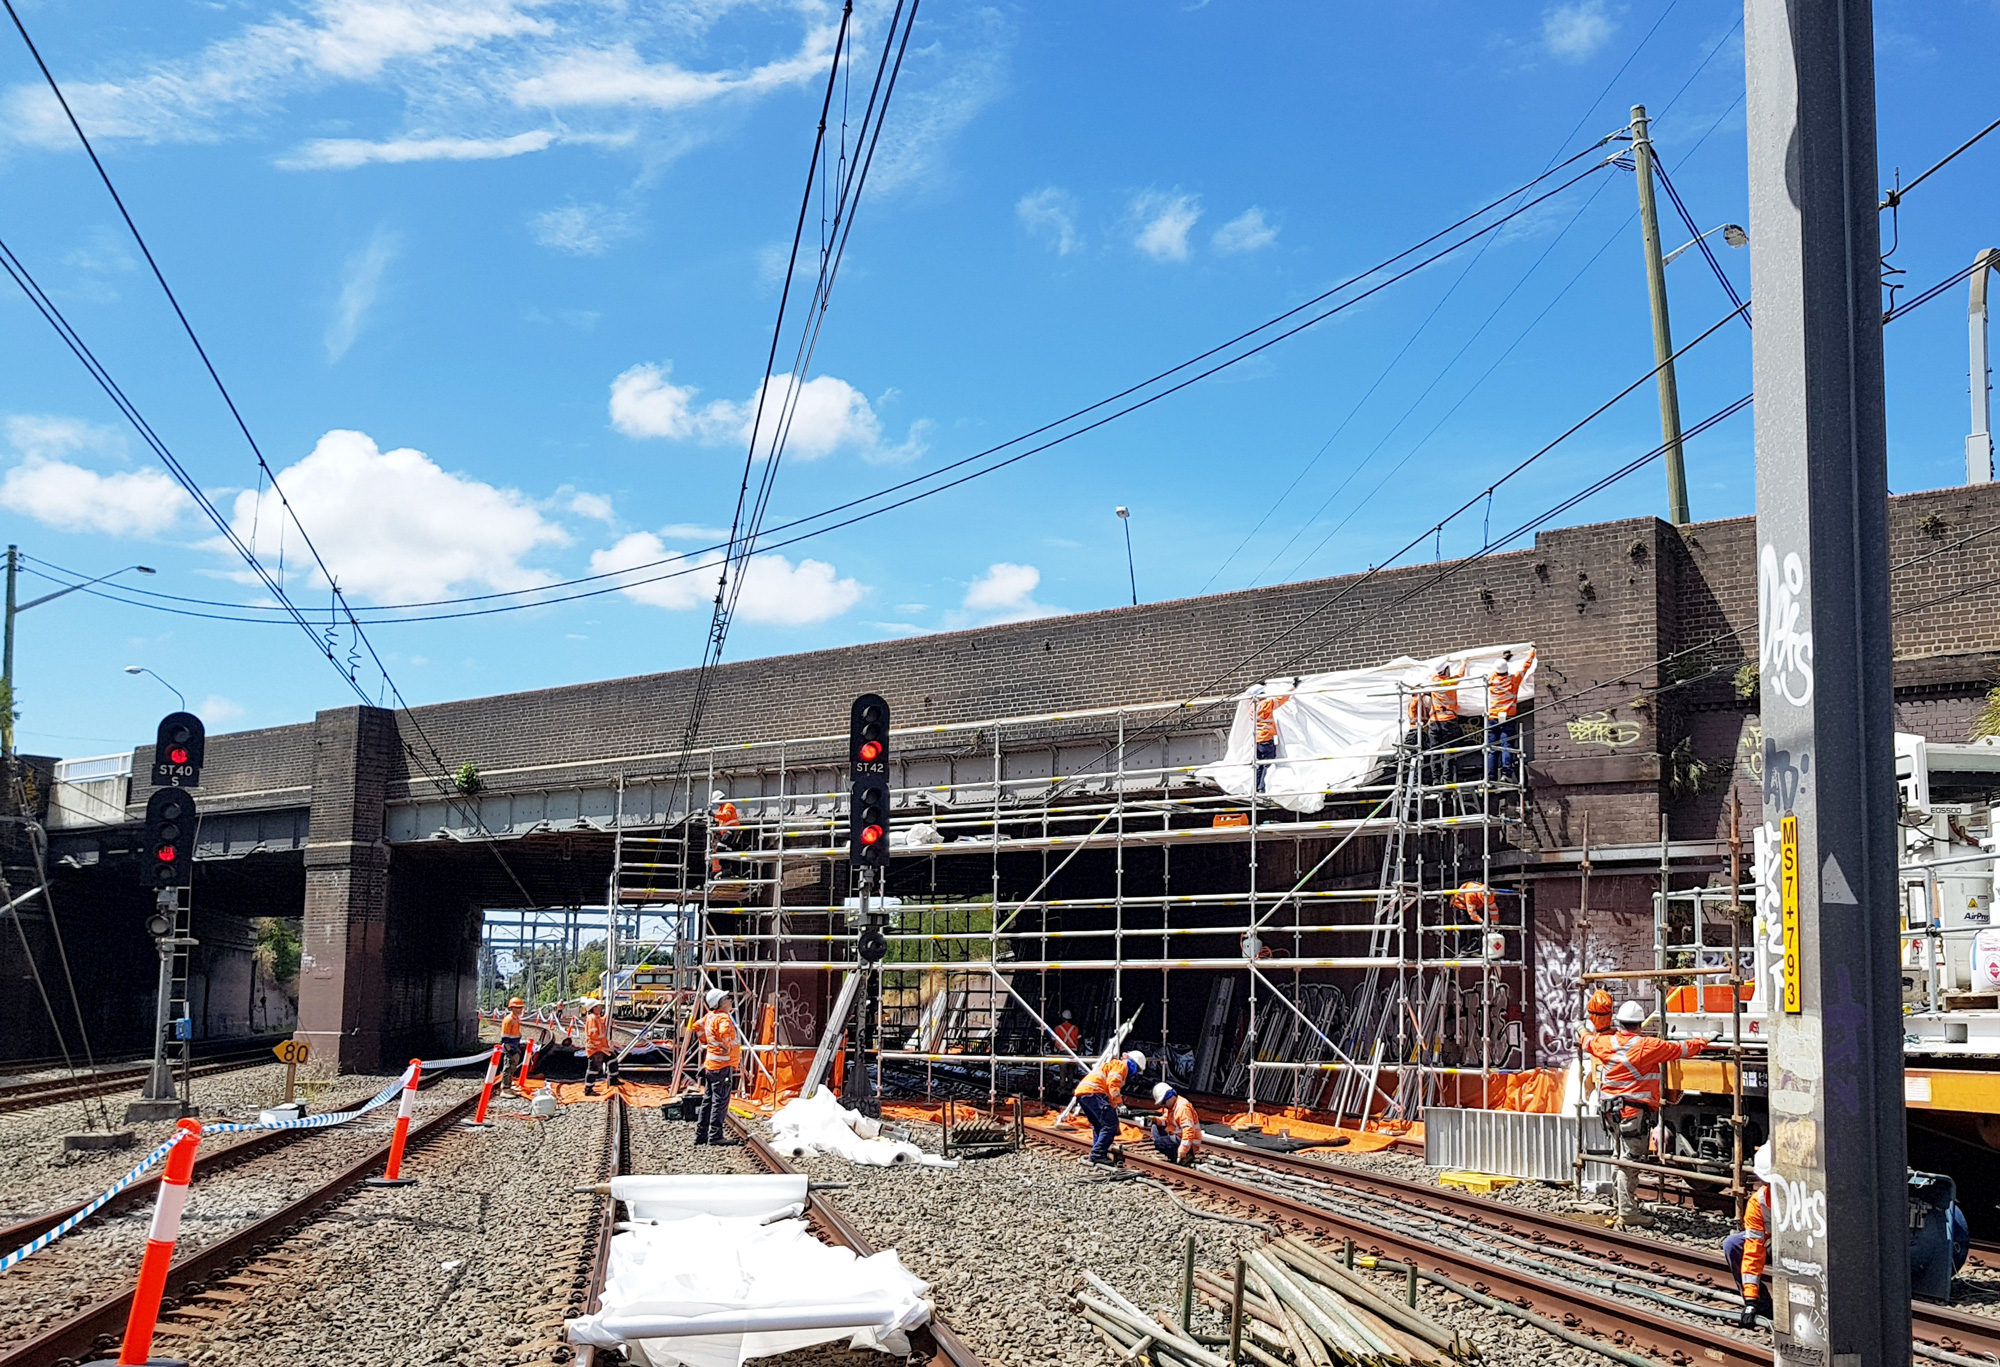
(1601, 728)
(1784, 652)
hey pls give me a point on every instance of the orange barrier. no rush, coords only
(159, 1255)
(392, 1175)
(635, 1093)
(486, 1090)
(527, 1067)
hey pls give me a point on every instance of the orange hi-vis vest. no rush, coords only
(1437, 700)
(1503, 690)
(1631, 1063)
(1070, 1036)
(726, 815)
(596, 1035)
(1106, 1079)
(1265, 711)
(1475, 899)
(1179, 1120)
(716, 1033)
(510, 1026)
(1756, 1248)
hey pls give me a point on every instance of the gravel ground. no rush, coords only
(101, 1257)
(470, 1266)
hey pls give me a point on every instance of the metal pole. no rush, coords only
(1663, 337)
(1842, 1287)
(1131, 573)
(1979, 445)
(1736, 1120)
(7, 664)
(160, 1082)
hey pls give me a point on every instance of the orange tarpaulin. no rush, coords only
(635, 1093)
(1292, 1124)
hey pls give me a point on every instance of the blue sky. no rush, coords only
(493, 282)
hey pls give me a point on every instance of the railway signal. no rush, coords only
(868, 775)
(169, 855)
(178, 751)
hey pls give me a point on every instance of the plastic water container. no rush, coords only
(1986, 961)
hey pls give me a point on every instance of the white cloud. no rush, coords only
(775, 591)
(580, 229)
(1247, 232)
(1164, 224)
(592, 505)
(1575, 32)
(216, 708)
(344, 154)
(957, 70)
(1050, 213)
(1005, 593)
(826, 415)
(617, 75)
(74, 498)
(394, 526)
(691, 531)
(360, 285)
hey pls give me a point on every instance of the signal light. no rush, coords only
(178, 750)
(170, 817)
(868, 772)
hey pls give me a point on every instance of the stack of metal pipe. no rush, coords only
(1290, 1303)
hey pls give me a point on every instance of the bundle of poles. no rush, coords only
(1289, 1303)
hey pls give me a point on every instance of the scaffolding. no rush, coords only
(1079, 863)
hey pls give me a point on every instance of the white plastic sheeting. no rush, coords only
(726, 1195)
(1336, 728)
(715, 1291)
(820, 1124)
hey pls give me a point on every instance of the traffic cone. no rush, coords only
(486, 1092)
(392, 1175)
(159, 1255)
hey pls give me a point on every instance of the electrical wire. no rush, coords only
(1700, 236)
(1895, 196)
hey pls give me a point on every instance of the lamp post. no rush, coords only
(1731, 233)
(1125, 516)
(14, 609)
(141, 669)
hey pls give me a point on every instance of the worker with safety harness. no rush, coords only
(512, 1048)
(721, 1055)
(1629, 1090)
(1097, 1096)
(1176, 1131)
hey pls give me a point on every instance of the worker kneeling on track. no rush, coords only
(512, 1048)
(722, 1053)
(1749, 1248)
(1176, 1131)
(1629, 1092)
(1097, 1096)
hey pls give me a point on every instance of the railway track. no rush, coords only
(936, 1340)
(587, 1287)
(202, 1286)
(1301, 1192)
(23, 1096)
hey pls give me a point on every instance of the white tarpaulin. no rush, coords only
(820, 1124)
(716, 1291)
(648, 1197)
(1336, 728)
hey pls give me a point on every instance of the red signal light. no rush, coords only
(871, 750)
(871, 835)
(177, 755)
(166, 854)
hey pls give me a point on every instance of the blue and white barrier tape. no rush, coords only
(34, 1246)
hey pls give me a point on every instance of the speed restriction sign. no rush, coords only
(293, 1051)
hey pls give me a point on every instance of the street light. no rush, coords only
(1731, 234)
(7, 650)
(141, 669)
(1125, 516)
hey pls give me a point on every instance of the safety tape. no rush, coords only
(432, 1065)
(34, 1246)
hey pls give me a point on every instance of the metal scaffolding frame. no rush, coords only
(973, 964)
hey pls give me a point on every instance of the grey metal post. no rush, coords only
(1979, 444)
(1663, 334)
(160, 1082)
(1840, 1270)
(7, 662)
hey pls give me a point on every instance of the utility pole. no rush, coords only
(7, 666)
(1840, 1272)
(1663, 333)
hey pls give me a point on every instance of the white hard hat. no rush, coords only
(716, 997)
(1137, 1060)
(1161, 1091)
(1631, 1015)
(717, 796)
(1065, 1015)
(1760, 1163)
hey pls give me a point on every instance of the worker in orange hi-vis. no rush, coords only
(600, 1059)
(1628, 1089)
(724, 821)
(1749, 1249)
(1176, 1133)
(512, 1047)
(721, 1055)
(1434, 707)
(1503, 705)
(1475, 902)
(1070, 1037)
(1097, 1096)
(1264, 707)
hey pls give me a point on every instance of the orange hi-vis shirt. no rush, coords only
(510, 1025)
(1106, 1079)
(726, 815)
(1631, 1062)
(1756, 1248)
(716, 1033)
(1474, 898)
(1503, 690)
(596, 1035)
(1437, 700)
(1265, 710)
(1179, 1120)
(1070, 1036)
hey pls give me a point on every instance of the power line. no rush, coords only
(1895, 196)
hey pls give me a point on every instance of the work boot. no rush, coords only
(1636, 1219)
